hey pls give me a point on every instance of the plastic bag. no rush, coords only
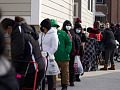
(52, 68)
(77, 65)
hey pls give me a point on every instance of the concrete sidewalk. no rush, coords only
(98, 80)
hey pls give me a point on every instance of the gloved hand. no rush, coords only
(77, 53)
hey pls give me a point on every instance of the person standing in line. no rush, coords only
(110, 46)
(79, 32)
(62, 55)
(75, 49)
(8, 79)
(48, 40)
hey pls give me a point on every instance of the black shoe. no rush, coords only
(64, 87)
(71, 83)
(78, 79)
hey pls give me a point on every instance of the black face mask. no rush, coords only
(41, 28)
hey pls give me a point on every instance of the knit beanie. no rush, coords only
(46, 23)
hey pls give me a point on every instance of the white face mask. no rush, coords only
(68, 27)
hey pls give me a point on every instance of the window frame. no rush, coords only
(100, 2)
(76, 3)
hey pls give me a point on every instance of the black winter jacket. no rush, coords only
(25, 48)
(75, 43)
(108, 39)
(117, 35)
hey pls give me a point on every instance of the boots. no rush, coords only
(105, 67)
(112, 67)
(64, 87)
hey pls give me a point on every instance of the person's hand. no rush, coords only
(44, 53)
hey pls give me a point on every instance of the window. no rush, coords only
(75, 10)
(91, 5)
(88, 4)
(99, 1)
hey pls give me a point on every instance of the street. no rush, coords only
(98, 80)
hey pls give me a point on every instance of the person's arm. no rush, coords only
(77, 44)
(68, 43)
(83, 38)
(104, 37)
(54, 44)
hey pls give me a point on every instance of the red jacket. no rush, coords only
(97, 36)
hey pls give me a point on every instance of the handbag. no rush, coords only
(52, 68)
(78, 66)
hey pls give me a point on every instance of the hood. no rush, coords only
(65, 23)
(52, 30)
(54, 23)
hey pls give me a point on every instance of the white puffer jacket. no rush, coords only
(49, 41)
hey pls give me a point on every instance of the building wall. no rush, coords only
(113, 6)
(60, 10)
(12, 8)
(87, 16)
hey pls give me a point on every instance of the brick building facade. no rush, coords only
(110, 8)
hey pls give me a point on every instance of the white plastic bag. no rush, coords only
(77, 65)
(52, 68)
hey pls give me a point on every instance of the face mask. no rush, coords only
(41, 28)
(78, 31)
(68, 27)
(8, 36)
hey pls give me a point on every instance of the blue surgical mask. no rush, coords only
(78, 31)
(8, 36)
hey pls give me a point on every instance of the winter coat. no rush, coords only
(64, 46)
(96, 36)
(25, 48)
(117, 35)
(8, 79)
(75, 44)
(91, 52)
(108, 39)
(49, 41)
(82, 37)
(95, 33)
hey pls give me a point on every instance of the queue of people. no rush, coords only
(52, 46)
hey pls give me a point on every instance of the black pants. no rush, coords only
(109, 54)
(71, 69)
(50, 80)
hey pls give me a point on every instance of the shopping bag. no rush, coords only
(52, 68)
(78, 66)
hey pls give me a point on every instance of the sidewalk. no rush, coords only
(98, 80)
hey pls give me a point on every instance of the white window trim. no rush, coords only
(76, 3)
(99, 2)
(35, 12)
